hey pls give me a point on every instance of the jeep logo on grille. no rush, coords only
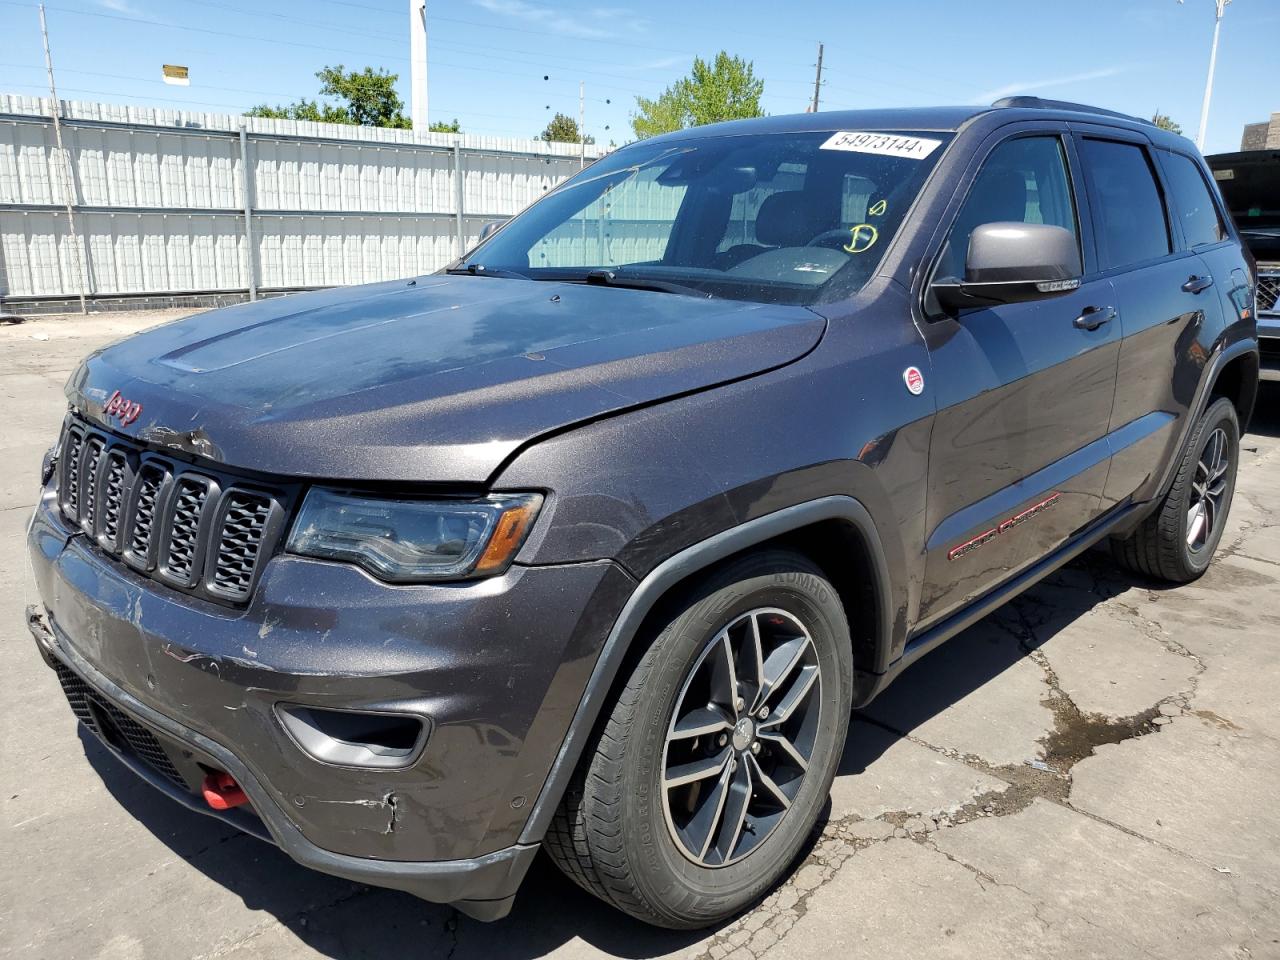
(126, 411)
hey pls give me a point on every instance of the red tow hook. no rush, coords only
(221, 791)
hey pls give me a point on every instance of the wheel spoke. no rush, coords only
(735, 813)
(794, 697)
(724, 676)
(695, 770)
(782, 660)
(701, 830)
(701, 722)
(766, 782)
(753, 661)
(784, 746)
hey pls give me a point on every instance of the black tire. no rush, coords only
(611, 832)
(1159, 547)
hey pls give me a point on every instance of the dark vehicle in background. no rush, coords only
(1250, 184)
(591, 542)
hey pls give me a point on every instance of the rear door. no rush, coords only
(1018, 454)
(1167, 300)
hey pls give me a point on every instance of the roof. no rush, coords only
(922, 119)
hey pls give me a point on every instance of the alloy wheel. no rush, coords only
(1208, 488)
(741, 736)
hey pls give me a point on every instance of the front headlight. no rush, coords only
(411, 541)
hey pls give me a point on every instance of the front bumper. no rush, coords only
(495, 668)
(1269, 342)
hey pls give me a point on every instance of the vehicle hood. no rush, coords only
(438, 379)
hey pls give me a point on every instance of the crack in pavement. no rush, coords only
(1075, 735)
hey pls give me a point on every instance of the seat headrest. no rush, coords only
(789, 218)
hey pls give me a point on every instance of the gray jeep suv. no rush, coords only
(592, 541)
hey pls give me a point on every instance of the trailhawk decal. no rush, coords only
(966, 548)
(882, 144)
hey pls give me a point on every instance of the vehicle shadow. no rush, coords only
(1266, 411)
(343, 920)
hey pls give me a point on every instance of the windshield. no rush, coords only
(1251, 188)
(774, 218)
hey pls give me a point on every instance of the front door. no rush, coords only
(1019, 455)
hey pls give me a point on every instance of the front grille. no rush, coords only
(115, 466)
(240, 542)
(195, 530)
(116, 727)
(182, 558)
(1268, 292)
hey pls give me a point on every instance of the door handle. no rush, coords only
(1197, 284)
(1094, 317)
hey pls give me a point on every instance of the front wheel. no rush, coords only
(1178, 540)
(719, 753)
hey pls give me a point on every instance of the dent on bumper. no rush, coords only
(483, 886)
(496, 667)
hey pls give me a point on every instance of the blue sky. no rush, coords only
(488, 58)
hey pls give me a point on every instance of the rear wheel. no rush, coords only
(718, 755)
(1177, 542)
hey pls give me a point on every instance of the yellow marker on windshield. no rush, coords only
(861, 238)
(878, 208)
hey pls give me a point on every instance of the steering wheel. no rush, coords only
(834, 239)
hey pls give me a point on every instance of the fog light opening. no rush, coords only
(355, 738)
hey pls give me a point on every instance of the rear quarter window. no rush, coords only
(1192, 205)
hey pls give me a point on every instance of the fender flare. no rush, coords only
(655, 585)
(1208, 381)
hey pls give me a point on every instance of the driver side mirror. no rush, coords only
(1013, 263)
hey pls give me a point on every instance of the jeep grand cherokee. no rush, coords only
(592, 541)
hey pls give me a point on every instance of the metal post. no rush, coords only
(68, 174)
(817, 82)
(246, 189)
(460, 192)
(1220, 8)
(418, 65)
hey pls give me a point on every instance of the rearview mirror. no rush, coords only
(1013, 263)
(489, 229)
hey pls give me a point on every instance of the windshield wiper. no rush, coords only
(480, 270)
(607, 278)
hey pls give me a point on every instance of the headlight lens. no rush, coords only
(411, 541)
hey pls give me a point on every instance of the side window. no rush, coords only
(1130, 214)
(1192, 205)
(1023, 181)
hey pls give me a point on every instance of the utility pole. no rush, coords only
(418, 65)
(582, 124)
(68, 175)
(1220, 8)
(817, 81)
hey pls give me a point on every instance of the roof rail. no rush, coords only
(1042, 104)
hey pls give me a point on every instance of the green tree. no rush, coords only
(442, 126)
(366, 98)
(563, 129)
(726, 89)
(1165, 122)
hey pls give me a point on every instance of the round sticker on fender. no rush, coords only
(914, 380)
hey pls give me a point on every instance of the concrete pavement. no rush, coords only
(1090, 772)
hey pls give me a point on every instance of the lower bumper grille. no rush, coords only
(1269, 292)
(115, 726)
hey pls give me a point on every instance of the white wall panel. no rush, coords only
(332, 204)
